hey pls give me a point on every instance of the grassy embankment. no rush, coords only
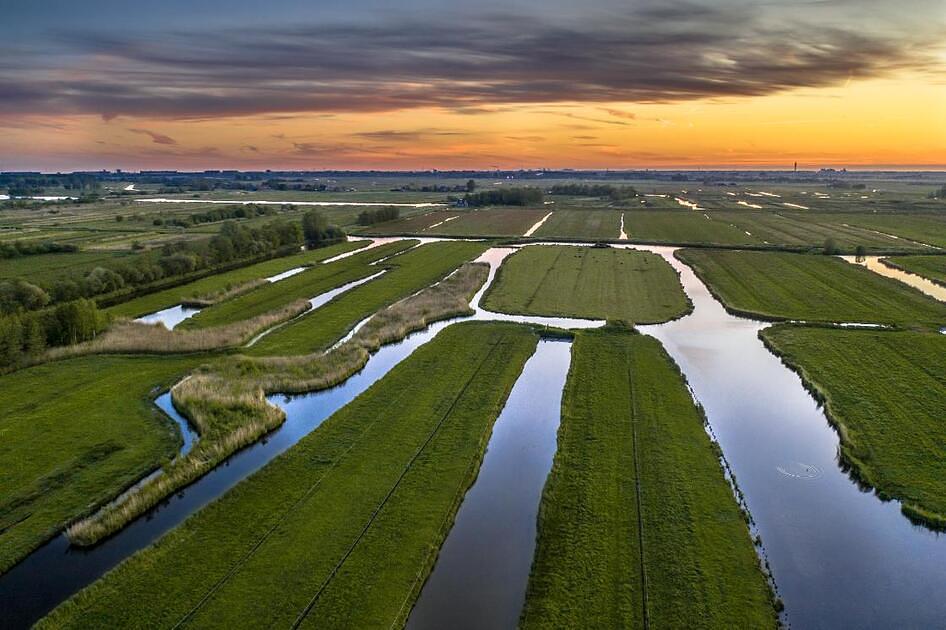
(302, 286)
(778, 286)
(886, 394)
(407, 273)
(75, 434)
(930, 267)
(226, 400)
(614, 284)
(219, 283)
(369, 496)
(638, 526)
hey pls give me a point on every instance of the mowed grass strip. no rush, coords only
(588, 282)
(219, 282)
(76, 433)
(302, 286)
(638, 526)
(930, 267)
(583, 224)
(886, 393)
(408, 273)
(814, 288)
(341, 530)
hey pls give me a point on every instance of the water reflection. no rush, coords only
(480, 578)
(928, 287)
(170, 317)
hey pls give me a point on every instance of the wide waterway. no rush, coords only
(840, 556)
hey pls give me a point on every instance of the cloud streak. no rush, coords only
(157, 138)
(647, 53)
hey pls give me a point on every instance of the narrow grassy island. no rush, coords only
(614, 284)
(638, 526)
(777, 286)
(886, 393)
(931, 267)
(407, 273)
(342, 529)
(85, 430)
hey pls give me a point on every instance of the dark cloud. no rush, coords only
(157, 138)
(658, 52)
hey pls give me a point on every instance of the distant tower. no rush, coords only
(796, 167)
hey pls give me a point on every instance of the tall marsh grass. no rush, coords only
(227, 402)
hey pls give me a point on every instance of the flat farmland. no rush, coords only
(85, 430)
(683, 226)
(922, 228)
(415, 224)
(408, 273)
(886, 392)
(588, 282)
(931, 267)
(798, 229)
(492, 222)
(221, 281)
(809, 287)
(369, 496)
(583, 224)
(638, 526)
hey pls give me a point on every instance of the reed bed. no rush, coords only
(227, 402)
(126, 336)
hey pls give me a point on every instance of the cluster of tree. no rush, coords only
(526, 196)
(28, 334)
(232, 244)
(218, 214)
(317, 231)
(615, 193)
(19, 248)
(939, 193)
(23, 185)
(469, 187)
(379, 215)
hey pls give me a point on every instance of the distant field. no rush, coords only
(45, 268)
(492, 222)
(342, 529)
(887, 393)
(75, 434)
(303, 286)
(683, 226)
(815, 288)
(637, 490)
(587, 282)
(415, 224)
(409, 272)
(173, 296)
(585, 224)
(924, 228)
(931, 267)
(799, 229)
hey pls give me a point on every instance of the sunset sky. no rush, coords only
(420, 84)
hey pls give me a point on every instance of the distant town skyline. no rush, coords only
(424, 85)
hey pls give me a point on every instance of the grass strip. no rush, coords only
(302, 286)
(812, 288)
(408, 273)
(885, 392)
(614, 284)
(86, 430)
(275, 540)
(638, 526)
(227, 403)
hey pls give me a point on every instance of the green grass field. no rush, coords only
(814, 288)
(302, 286)
(796, 229)
(342, 529)
(413, 224)
(75, 433)
(638, 525)
(886, 392)
(175, 295)
(930, 267)
(683, 226)
(44, 268)
(588, 282)
(923, 228)
(492, 222)
(584, 224)
(408, 273)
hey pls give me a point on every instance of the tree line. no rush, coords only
(615, 193)
(26, 335)
(17, 249)
(214, 215)
(379, 215)
(525, 196)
